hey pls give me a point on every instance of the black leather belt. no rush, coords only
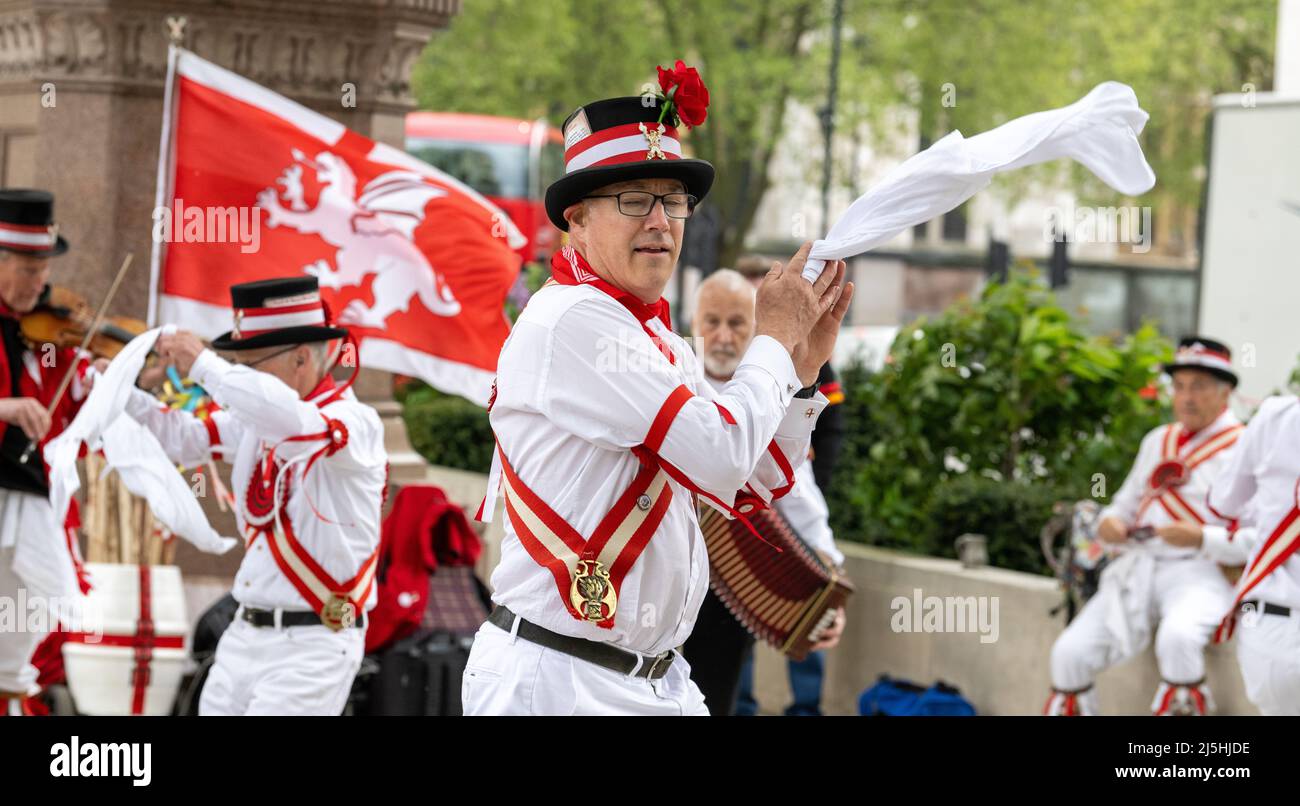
(601, 654)
(288, 618)
(1267, 608)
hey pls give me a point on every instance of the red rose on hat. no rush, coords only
(685, 91)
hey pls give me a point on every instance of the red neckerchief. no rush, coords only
(569, 267)
(325, 385)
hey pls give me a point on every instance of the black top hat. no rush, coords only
(285, 310)
(617, 140)
(27, 223)
(1208, 355)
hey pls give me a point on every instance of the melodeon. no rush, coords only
(785, 598)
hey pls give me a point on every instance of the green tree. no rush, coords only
(543, 59)
(959, 64)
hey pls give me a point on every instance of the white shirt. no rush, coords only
(1260, 482)
(258, 412)
(804, 507)
(579, 383)
(1129, 499)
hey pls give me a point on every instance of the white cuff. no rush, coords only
(767, 352)
(1216, 544)
(801, 416)
(208, 369)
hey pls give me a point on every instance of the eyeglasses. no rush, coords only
(639, 203)
(265, 358)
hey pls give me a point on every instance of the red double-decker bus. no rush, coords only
(509, 160)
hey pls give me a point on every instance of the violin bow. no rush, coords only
(85, 342)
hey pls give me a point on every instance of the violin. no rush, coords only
(62, 318)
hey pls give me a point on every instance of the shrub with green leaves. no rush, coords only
(447, 430)
(1006, 387)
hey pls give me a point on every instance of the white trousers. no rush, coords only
(289, 671)
(1268, 652)
(17, 643)
(1189, 597)
(508, 676)
(34, 558)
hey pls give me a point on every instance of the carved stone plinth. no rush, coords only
(81, 84)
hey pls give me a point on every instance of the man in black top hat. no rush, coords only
(607, 431)
(37, 557)
(309, 473)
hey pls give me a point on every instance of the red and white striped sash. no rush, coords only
(1277, 549)
(337, 603)
(1174, 470)
(589, 573)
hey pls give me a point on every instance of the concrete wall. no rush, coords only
(1005, 676)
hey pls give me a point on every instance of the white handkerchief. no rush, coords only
(131, 449)
(1099, 131)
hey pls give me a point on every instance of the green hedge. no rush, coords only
(1009, 515)
(447, 431)
(1001, 402)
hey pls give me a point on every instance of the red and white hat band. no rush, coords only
(21, 236)
(630, 142)
(301, 310)
(1202, 356)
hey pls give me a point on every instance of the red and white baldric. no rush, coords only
(1176, 466)
(630, 142)
(1283, 542)
(28, 238)
(299, 310)
(604, 559)
(265, 512)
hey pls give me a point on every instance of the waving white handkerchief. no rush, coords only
(143, 466)
(101, 412)
(1099, 131)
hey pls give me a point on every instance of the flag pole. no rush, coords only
(162, 195)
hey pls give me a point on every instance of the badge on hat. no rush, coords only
(622, 139)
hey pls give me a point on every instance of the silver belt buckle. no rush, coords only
(666, 656)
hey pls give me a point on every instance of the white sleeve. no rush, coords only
(1235, 485)
(186, 439)
(602, 379)
(1129, 496)
(805, 509)
(777, 469)
(266, 406)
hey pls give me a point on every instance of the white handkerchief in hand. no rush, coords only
(1099, 131)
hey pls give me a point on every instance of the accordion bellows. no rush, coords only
(784, 598)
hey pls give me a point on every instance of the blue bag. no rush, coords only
(889, 697)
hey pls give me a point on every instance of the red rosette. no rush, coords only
(684, 90)
(1167, 474)
(259, 499)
